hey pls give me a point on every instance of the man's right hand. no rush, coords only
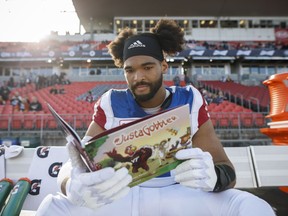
(94, 189)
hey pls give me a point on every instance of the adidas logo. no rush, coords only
(136, 44)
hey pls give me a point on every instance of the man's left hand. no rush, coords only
(197, 171)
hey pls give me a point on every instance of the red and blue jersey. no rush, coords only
(117, 107)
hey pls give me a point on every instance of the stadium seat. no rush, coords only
(246, 119)
(224, 122)
(238, 108)
(247, 122)
(4, 122)
(28, 122)
(234, 119)
(1, 109)
(8, 109)
(17, 121)
(38, 122)
(211, 107)
(79, 122)
(259, 120)
(51, 124)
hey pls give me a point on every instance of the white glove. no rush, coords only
(65, 171)
(197, 171)
(95, 189)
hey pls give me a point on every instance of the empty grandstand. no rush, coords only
(72, 66)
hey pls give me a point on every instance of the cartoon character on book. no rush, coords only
(184, 141)
(160, 150)
(172, 131)
(138, 157)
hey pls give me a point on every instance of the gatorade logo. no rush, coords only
(2, 151)
(15, 189)
(35, 187)
(43, 152)
(54, 169)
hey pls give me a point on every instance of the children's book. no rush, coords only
(146, 147)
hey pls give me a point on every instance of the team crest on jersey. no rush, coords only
(54, 169)
(35, 186)
(43, 152)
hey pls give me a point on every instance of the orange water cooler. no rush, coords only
(278, 127)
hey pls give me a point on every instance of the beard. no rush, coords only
(154, 87)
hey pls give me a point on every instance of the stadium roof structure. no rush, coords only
(103, 11)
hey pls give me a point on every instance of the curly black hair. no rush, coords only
(169, 34)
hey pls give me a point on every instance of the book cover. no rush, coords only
(146, 147)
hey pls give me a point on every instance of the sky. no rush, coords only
(32, 20)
